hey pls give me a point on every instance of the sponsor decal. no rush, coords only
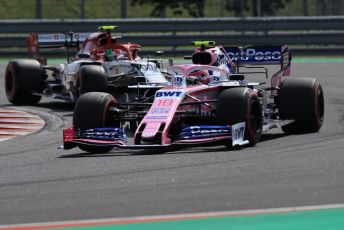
(168, 94)
(148, 135)
(160, 110)
(51, 37)
(207, 129)
(113, 134)
(223, 61)
(61, 37)
(163, 103)
(238, 132)
(216, 78)
(150, 67)
(179, 80)
(203, 131)
(285, 62)
(255, 54)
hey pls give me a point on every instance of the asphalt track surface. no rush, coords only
(40, 183)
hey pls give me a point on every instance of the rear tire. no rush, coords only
(23, 78)
(241, 105)
(91, 78)
(92, 110)
(301, 99)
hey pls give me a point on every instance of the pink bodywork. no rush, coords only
(159, 119)
(285, 70)
(215, 52)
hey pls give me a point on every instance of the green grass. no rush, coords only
(64, 9)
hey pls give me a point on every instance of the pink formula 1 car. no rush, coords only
(204, 104)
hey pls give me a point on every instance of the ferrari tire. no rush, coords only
(302, 100)
(241, 105)
(23, 78)
(92, 110)
(91, 78)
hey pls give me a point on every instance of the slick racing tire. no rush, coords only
(91, 78)
(241, 105)
(23, 78)
(92, 110)
(302, 100)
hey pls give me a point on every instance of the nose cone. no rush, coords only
(151, 132)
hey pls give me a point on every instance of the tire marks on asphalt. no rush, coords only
(15, 123)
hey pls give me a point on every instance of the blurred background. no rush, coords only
(56, 9)
(309, 27)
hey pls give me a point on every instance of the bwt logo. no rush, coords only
(168, 94)
(252, 54)
(238, 133)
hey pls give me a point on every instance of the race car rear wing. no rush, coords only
(263, 55)
(260, 55)
(35, 41)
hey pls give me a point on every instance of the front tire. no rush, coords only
(241, 105)
(91, 78)
(92, 110)
(301, 99)
(23, 78)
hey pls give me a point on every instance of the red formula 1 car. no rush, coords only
(220, 107)
(101, 65)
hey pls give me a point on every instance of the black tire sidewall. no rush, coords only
(92, 110)
(26, 77)
(10, 78)
(318, 116)
(91, 78)
(302, 100)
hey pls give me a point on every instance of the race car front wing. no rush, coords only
(193, 135)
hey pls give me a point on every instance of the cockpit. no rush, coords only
(101, 46)
(197, 75)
